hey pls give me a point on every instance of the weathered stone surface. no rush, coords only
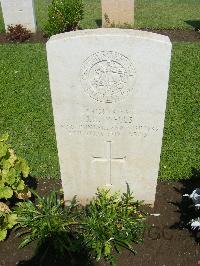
(109, 92)
(117, 12)
(19, 12)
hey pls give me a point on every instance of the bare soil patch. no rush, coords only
(180, 35)
(174, 35)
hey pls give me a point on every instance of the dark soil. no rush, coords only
(174, 35)
(167, 241)
(35, 38)
(180, 35)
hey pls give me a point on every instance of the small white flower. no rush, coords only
(195, 196)
(195, 224)
(197, 206)
(155, 214)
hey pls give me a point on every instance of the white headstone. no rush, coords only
(109, 92)
(19, 12)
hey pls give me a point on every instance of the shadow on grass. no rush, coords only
(99, 23)
(186, 207)
(31, 182)
(194, 23)
(46, 256)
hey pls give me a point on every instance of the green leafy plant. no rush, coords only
(7, 220)
(48, 221)
(109, 24)
(112, 223)
(108, 223)
(64, 15)
(107, 20)
(18, 33)
(13, 171)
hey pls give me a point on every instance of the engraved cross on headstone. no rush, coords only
(110, 159)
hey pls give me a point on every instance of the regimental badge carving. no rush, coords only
(108, 76)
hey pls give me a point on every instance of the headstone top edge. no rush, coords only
(110, 31)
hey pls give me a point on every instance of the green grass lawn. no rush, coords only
(26, 111)
(181, 143)
(166, 13)
(148, 13)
